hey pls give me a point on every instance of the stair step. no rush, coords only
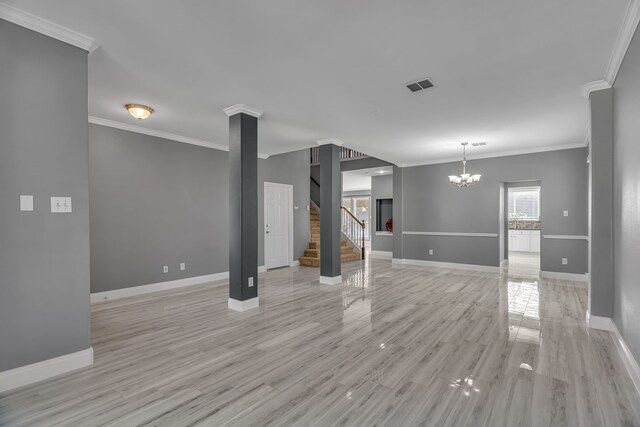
(315, 252)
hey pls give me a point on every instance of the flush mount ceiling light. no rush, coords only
(465, 179)
(138, 111)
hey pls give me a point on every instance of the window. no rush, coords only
(524, 203)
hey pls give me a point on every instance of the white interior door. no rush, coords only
(276, 224)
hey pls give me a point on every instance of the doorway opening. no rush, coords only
(522, 206)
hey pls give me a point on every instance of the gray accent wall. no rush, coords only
(626, 199)
(431, 204)
(381, 188)
(44, 257)
(155, 202)
(293, 169)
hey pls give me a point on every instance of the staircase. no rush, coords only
(311, 256)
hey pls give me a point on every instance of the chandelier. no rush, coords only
(465, 179)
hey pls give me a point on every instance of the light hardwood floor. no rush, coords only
(394, 345)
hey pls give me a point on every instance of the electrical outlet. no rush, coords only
(565, 261)
(165, 269)
(430, 251)
(183, 266)
(250, 282)
(565, 213)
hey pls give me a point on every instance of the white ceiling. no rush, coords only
(361, 179)
(506, 72)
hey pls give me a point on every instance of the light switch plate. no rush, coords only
(565, 213)
(430, 251)
(26, 203)
(61, 204)
(250, 282)
(183, 266)
(565, 261)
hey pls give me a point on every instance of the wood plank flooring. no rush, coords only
(394, 345)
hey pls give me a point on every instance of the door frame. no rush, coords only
(289, 187)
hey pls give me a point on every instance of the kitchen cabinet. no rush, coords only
(524, 240)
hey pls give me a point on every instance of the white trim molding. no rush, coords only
(452, 265)
(137, 128)
(383, 233)
(262, 269)
(156, 287)
(29, 374)
(242, 108)
(628, 28)
(607, 324)
(334, 141)
(46, 27)
(325, 280)
(295, 263)
(445, 233)
(248, 304)
(594, 86)
(576, 277)
(381, 254)
(564, 237)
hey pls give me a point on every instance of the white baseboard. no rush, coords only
(381, 254)
(262, 269)
(295, 263)
(156, 287)
(454, 265)
(245, 305)
(46, 369)
(325, 280)
(563, 276)
(396, 260)
(607, 324)
(504, 262)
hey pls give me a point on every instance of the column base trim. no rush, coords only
(576, 277)
(40, 371)
(325, 280)
(245, 305)
(607, 324)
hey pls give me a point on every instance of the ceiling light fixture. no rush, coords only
(380, 171)
(465, 179)
(138, 111)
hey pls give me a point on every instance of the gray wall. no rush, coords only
(430, 203)
(44, 257)
(289, 168)
(626, 158)
(381, 188)
(155, 202)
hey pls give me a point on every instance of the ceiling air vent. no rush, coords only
(478, 144)
(420, 85)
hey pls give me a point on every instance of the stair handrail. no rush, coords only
(351, 230)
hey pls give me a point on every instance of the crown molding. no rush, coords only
(165, 135)
(241, 108)
(627, 30)
(498, 154)
(46, 27)
(594, 86)
(334, 141)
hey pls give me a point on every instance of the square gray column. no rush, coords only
(243, 207)
(330, 201)
(601, 204)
